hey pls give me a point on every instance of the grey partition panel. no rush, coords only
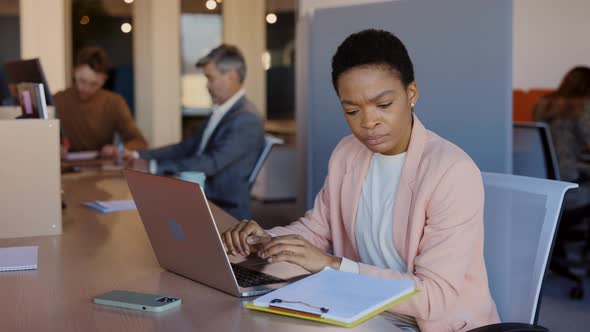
(462, 54)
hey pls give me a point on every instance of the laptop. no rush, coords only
(181, 227)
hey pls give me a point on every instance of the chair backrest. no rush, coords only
(533, 153)
(521, 215)
(269, 141)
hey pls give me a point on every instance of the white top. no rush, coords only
(374, 217)
(218, 113)
(374, 224)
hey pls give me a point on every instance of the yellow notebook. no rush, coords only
(335, 297)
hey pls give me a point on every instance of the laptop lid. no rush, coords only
(183, 233)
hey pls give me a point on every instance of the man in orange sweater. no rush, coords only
(90, 115)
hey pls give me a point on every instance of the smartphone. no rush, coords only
(138, 301)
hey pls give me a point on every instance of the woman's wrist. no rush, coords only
(335, 262)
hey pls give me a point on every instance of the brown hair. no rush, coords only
(569, 98)
(95, 57)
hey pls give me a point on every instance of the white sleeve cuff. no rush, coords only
(153, 168)
(349, 266)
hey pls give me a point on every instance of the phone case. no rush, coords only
(138, 301)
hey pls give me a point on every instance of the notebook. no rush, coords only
(18, 258)
(81, 155)
(336, 297)
(112, 206)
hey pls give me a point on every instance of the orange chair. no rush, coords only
(520, 113)
(523, 103)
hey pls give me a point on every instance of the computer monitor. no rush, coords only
(27, 71)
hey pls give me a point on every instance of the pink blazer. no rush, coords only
(437, 228)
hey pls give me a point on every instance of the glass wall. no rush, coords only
(108, 24)
(200, 31)
(279, 60)
(10, 43)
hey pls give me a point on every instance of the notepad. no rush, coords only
(18, 258)
(112, 206)
(336, 297)
(81, 155)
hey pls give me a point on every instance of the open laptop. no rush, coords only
(182, 230)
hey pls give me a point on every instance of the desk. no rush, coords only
(100, 252)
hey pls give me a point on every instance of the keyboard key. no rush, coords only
(249, 278)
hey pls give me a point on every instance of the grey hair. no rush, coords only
(225, 57)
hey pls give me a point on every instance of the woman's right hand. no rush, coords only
(244, 238)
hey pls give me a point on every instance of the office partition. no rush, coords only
(462, 54)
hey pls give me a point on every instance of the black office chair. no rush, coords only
(532, 151)
(533, 155)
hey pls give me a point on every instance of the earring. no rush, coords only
(412, 104)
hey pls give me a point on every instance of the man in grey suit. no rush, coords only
(228, 144)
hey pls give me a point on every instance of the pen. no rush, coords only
(120, 153)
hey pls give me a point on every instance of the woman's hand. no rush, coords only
(297, 250)
(244, 238)
(108, 151)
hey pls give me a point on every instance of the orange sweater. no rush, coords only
(91, 124)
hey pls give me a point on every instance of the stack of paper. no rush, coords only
(336, 297)
(18, 258)
(112, 206)
(81, 155)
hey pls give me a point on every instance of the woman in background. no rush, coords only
(567, 112)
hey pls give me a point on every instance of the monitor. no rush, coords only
(27, 71)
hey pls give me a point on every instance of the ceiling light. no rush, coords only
(266, 60)
(84, 20)
(271, 18)
(211, 4)
(126, 27)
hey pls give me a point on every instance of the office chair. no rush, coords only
(532, 151)
(533, 155)
(521, 215)
(269, 141)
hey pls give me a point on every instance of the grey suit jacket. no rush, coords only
(227, 159)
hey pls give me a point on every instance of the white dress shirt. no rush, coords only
(218, 113)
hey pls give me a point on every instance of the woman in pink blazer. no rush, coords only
(434, 225)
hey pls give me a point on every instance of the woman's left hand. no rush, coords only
(297, 250)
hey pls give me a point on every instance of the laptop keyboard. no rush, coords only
(250, 278)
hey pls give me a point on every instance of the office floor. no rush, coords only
(558, 312)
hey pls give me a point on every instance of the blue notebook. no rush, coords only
(112, 206)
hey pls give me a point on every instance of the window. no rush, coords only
(201, 31)
(10, 41)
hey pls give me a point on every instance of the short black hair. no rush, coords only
(372, 47)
